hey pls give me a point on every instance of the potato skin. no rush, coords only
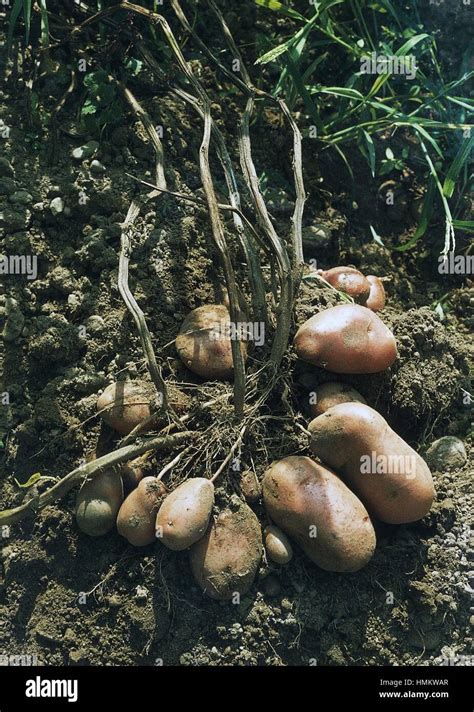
(343, 435)
(346, 339)
(98, 502)
(137, 515)
(332, 393)
(277, 545)
(208, 357)
(125, 404)
(250, 486)
(300, 494)
(376, 298)
(225, 561)
(184, 514)
(350, 281)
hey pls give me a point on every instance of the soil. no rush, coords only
(71, 600)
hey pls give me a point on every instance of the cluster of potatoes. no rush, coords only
(327, 509)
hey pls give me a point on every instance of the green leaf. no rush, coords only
(466, 225)
(345, 92)
(369, 144)
(27, 18)
(32, 480)
(273, 53)
(282, 9)
(376, 236)
(44, 23)
(15, 11)
(456, 166)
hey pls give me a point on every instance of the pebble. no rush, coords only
(141, 593)
(97, 167)
(95, 324)
(14, 321)
(56, 206)
(316, 236)
(87, 150)
(446, 452)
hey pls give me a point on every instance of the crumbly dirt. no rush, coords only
(72, 600)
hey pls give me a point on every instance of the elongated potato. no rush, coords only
(277, 545)
(184, 515)
(350, 281)
(224, 562)
(329, 394)
(204, 342)
(392, 480)
(316, 509)
(137, 515)
(125, 404)
(98, 502)
(376, 298)
(346, 339)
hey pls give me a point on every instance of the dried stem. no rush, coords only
(90, 470)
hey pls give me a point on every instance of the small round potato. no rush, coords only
(98, 502)
(346, 339)
(184, 514)
(132, 473)
(350, 281)
(137, 515)
(277, 545)
(250, 486)
(125, 404)
(329, 394)
(224, 562)
(204, 342)
(392, 480)
(316, 509)
(376, 299)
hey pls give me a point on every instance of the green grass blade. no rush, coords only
(282, 9)
(15, 11)
(456, 166)
(466, 225)
(27, 17)
(44, 23)
(369, 144)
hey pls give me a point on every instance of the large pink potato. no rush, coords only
(392, 480)
(316, 509)
(346, 339)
